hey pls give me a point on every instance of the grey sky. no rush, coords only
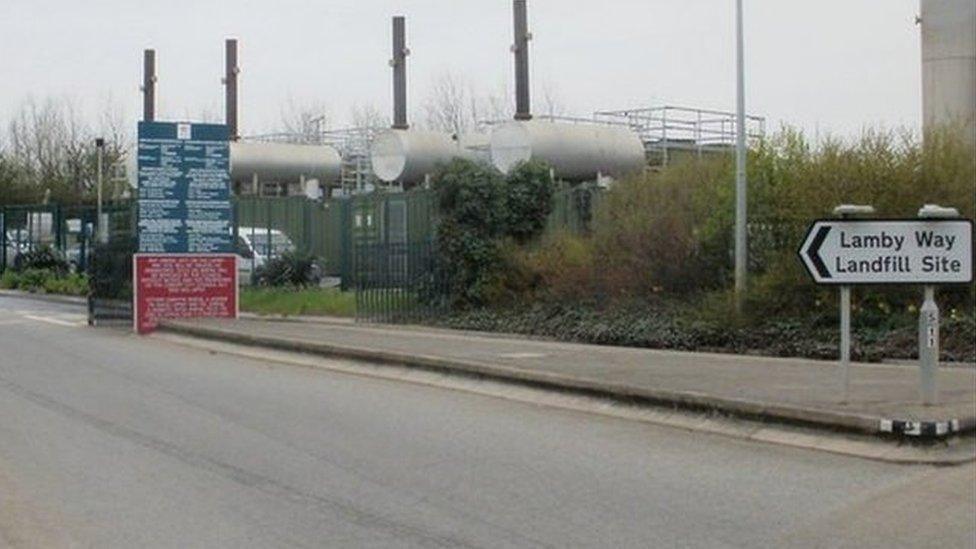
(825, 65)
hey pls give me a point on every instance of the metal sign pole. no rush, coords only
(845, 341)
(847, 211)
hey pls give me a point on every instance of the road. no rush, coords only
(110, 440)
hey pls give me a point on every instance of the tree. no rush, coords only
(447, 108)
(304, 122)
(367, 116)
(51, 153)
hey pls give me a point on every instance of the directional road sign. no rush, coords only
(874, 251)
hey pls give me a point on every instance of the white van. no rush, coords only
(255, 246)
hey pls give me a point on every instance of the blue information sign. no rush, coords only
(184, 188)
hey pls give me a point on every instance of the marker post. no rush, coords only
(846, 211)
(928, 347)
(928, 323)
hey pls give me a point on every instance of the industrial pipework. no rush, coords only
(523, 108)
(231, 71)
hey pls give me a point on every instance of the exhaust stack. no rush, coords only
(149, 85)
(230, 88)
(399, 64)
(523, 110)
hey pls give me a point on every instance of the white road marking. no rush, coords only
(522, 355)
(57, 321)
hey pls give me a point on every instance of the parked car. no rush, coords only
(255, 246)
(18, 242)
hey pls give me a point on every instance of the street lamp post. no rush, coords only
(100, 229)
(741, 236)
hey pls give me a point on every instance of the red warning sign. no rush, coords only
(183, 286)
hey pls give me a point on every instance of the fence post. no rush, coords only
(3, 239)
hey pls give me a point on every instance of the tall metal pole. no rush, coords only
(523, 109)
(741, 236)
(399, 63)
(230, 83)
(149, 85)
(99, 225)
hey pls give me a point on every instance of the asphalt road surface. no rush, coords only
(110, 440)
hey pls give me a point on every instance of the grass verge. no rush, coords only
(293, 302)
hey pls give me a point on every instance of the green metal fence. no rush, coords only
(67, 229)
(398, 282)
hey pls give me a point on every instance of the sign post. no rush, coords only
(935, 249)
(846, 211)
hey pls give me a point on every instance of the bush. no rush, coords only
(669, 232)
(294, 269)
(470, 199)
(478, 210)
(43, 280)
(71, 284)
(528, 200)
(44, 258)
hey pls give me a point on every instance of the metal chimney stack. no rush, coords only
(149, 85)
(523, 110)
(399, 64)
(230, 85)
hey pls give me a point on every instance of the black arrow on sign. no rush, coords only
(813, 252)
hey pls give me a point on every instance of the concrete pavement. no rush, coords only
(802, 391)
(112, 440)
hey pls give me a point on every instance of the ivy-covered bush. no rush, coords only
(478, 210)
(470, 201)
(528, 200)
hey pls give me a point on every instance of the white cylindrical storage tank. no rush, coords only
(284, 162)
(475, 147)
(949, 63)
(407, 156)
(576, 152)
